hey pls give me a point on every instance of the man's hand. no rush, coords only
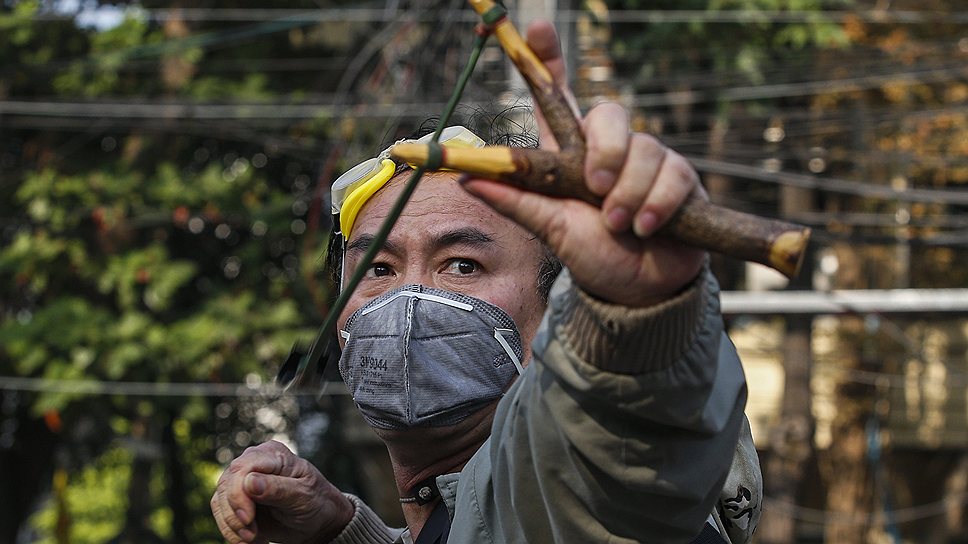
(610, 252)
(268, 493)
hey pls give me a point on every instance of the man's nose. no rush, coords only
(417, 274)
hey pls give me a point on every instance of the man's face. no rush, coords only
(449, 240)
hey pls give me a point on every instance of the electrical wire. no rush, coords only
(830, 517)
(954, 72)
(631, 16)
(183, 108)
(150, 389)
(830, 184)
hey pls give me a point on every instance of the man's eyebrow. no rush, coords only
(468, 236)
(364, 241)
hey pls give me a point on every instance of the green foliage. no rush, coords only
(738, 49)
(96, 500)
(129, 254)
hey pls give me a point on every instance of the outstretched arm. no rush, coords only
(626, 426)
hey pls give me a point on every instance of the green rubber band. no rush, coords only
(435, 156)
(494, 14)
(320, 343)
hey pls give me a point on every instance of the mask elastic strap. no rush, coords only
(507, 348)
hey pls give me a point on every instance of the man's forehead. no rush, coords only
(439, 214)
(438, 204)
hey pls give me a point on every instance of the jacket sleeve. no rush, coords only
(622, 429)
(366, 527)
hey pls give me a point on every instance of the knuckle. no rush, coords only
(228, 534)
(230, 520)
(680, 169)
(275, 444)
(608, 110)
(647, 147)
(606, 154)
(236, 466)
(644, 141)
(629, 192)
(554, 231)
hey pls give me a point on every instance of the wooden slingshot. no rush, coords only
(777, 244)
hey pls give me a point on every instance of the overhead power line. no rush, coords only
(900, 515)
(175, 109)
(881, 301)
(834, 185)
(802, 88)
(195, 110)
(383, 15)
(153, 389)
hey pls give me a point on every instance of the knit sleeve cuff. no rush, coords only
(626, 340)
(366, 527)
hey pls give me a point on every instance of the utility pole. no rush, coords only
(523, 14)
(791, 439)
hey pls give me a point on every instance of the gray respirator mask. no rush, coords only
(423, 357)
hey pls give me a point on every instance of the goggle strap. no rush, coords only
(342, 264)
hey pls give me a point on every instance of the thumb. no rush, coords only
(272, 490)
(554, 220)
(543, 41)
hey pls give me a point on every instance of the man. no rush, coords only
(623, 423)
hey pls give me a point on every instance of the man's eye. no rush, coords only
(463, 266)
(380, 270)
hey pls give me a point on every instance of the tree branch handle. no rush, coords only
(777, 244)
(698, 223)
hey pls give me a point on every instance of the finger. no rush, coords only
(543, 40)
(674, 183)
(232, 507)
(236, 505)
(270, 457)
(222, 520)
(548, 218)
(636, 180)
(278, 491)
(607, 143)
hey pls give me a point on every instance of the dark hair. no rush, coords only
(549, 267)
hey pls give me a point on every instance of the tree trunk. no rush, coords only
(849, 495)
(176, 484)
(849, 482)
(791, 440)
(136, 529)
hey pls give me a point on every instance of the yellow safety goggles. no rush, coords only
(358, 184)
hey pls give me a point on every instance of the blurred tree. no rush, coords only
(160, 227)
(724, 45)
(912, 123)
(143, 248)
(872, 91)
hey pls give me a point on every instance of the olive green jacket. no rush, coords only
(623, 428)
